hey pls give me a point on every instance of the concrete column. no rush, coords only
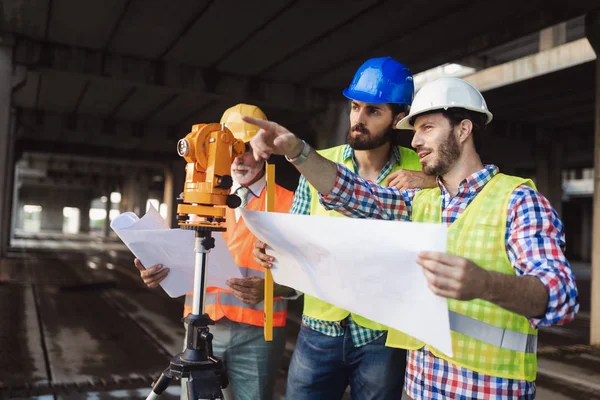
(15, 206)
(174, 181)
(107, 207)
(586, 232)
(84, 215)
(52, 217)
(6, 147)
(135, 193)
(141, 193)
(592, 31)
(332, 125)
(553, 36)
(549, 161)
(128, 193)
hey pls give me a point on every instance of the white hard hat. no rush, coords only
(445, 93)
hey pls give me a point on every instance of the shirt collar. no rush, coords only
(474, 182)
(256, 188)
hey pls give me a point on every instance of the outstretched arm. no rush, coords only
(343, 190)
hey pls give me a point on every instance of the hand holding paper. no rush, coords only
(368, 267)
(151, 240)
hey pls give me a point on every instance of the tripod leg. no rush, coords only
(159, 386)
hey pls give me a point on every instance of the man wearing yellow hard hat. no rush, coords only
(238, 313)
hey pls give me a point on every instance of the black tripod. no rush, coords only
(206, 373)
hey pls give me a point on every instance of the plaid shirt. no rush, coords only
(301, 205)
(535, 243)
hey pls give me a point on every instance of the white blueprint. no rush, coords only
(152, 241)
(365, 266)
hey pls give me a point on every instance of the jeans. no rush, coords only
(322, 366)
(251, 362)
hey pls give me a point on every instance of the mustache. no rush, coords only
(360, 128)
(421, 148)
(241, 168)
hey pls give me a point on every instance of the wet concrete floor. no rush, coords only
(81, 325)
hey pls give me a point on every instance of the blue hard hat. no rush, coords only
(382, 80)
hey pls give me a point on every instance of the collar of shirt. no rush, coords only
(348, 153)
(474, 182)
(255, 189)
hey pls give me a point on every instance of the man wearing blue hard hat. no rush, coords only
(336, 348)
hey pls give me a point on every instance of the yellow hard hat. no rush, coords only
(232, 118)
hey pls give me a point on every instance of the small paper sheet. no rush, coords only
(366, 266)
(152, 241)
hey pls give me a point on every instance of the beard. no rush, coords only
(366, 141)
(244, 175)
(449, 151)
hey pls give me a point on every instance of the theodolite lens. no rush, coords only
(183, 147)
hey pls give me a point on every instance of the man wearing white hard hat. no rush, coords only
(504, 273)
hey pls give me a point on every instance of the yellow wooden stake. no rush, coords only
(268, 303)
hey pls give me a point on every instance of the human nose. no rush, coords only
(417, 140)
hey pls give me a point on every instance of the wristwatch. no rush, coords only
(300, 158)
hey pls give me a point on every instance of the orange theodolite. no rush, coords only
(209, 150)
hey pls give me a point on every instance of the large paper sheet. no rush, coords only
(152, 241)
(365, 266)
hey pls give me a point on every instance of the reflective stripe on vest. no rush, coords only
(228, 299)
(319, 309)
(491, 334)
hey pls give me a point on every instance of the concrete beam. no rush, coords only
(553, 36)
(545, 62)
(40, 167)
(91, 131)
(161, 75)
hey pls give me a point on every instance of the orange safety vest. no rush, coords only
(221, 302)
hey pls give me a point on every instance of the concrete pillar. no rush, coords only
(6, 146)
(553, 36)
(141, 193)
(84, 215)
(592, 31)
(128, 193)
(107, 207)
(174, 181)
(332, 125)
(52, 217)
(135, 192)
(586, 232)
(549, 161)
(15, 207)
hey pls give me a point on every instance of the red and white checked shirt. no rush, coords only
(535, 242)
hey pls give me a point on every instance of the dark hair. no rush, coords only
(398, 108)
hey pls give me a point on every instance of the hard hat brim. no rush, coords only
(363, 97)
(404, 123)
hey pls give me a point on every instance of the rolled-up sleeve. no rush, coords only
(535, 246)
(356, 197)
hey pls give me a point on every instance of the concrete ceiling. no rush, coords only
(111, 76)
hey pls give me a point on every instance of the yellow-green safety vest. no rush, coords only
(485, 337)
(320, 309)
